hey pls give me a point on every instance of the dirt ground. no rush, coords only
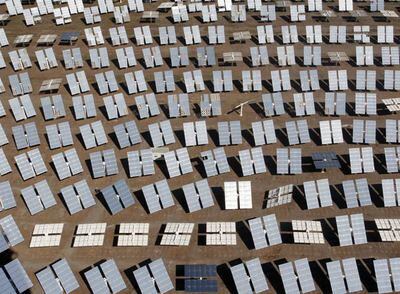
(127, 257)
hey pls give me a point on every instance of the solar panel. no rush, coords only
(307, 232)
(331, 132)
(361, 160)
(365, 103)
(115, 106)
(20, 59)
(78, 196)
(5, 167)
(72, 58)
(30, 164)
(48, 281)
(288, 158)
(158, 196)
(304, 103)
(392, 159)
(147, 105)
(387, 274)
(103, 163)
(38, 197)
(84, 106)
(318, 194)
(18, 275)
(297, 270)
(26, 135)
(215, 162)
(273, 104)
(259, 55)
(178, 162)
(118, 196)
(252, 161)
(77, 82)
(178, 105)
(160, 274)
(210, 105)
(164, 81)
(357, 193)
(67, 163)
(388, 229)
(7, 199)
(391, 130)
(391, 78)
(105, 278)
(391, 192)
(133, 234)
(127, 134)
(279, 196)
(93, 134)
(325, 160)
(141, 163)
(46, 58)
(53, 107)
(220, 233)
(340, 270)
(22, 107)
(351, 230)
(46, 235)
(3, 38)
(135, 82)
(172, 164)
(264, 132)
(10, 232)
(298, 132)
(241, 279)
(199, 285)
(195, 133)
(89, 235)
(113, 276)
(285, 55)
(249, 276)
(177, 234)
(265, 231)
(144, 280)
(198, 195)
(238, 195)
(199, 270)
(59, 135)
(63, 272)
(229, 133)
(161, 133)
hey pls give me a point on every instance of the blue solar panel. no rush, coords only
(324, 160)
(200, 270)
(68, 37)
(201, 286)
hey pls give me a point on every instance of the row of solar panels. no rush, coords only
(216, 35)
(222, 82)
(101, 278)
(384, 34)
(179, 56)
(229, 133)
(265, 232)
(196, 133)
(78, 196)
(248, 276)
(178, 106)
(214, 162)
(180, 11)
